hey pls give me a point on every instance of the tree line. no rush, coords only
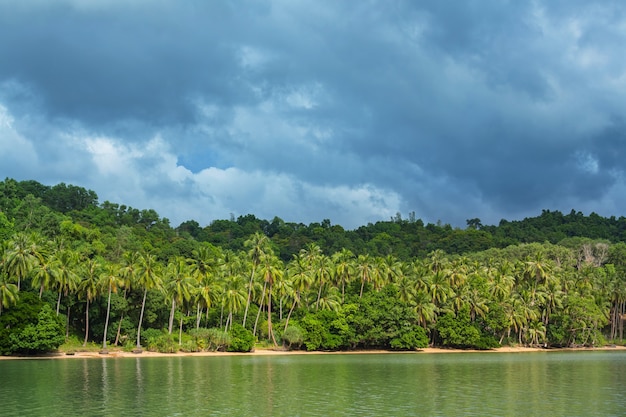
(121, 276)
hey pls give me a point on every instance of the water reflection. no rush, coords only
(555, 384)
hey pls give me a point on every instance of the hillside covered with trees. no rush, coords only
(72, 267)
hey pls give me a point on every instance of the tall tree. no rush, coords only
(88, 288)
(110, 281)
(258, 245)
(24, 252)
(148, 278)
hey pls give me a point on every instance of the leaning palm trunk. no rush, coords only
(256, 322)
(143, 305)
(59, 301)
(171, 322)
(270, 331)
(106, 322)
(119, 330)
(245, 314)
(86, 323)
(198, 316)
(290, 311)
(180, 331)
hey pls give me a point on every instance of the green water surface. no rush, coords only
(416, 384)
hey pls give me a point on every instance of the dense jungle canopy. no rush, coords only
(72, 267)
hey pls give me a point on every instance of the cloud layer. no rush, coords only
(310, 110)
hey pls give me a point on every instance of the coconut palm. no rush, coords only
(301, 279)
(65, 273)
(365, 271)
(148, 278)
(178, 286)
(234, 297)
(271, 269)
(344, 269)
(9, 293)
(88, 288)
(43, 273)
(23, 253)
(111, 281)
(259, 245)
(127, 276)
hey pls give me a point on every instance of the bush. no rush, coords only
(293, 337)
(16, 318)
(210, 339)
(159, 341)
(410, 339)
(241, 340)
(45, 336)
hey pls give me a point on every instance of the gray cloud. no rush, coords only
(349, 111)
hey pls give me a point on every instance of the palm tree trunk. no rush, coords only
(245, 314)
(86, 323)
(270, 331)
(289, 314)
(256, 322)
(59, 302)
(143, 306)
(319, 295)
(67, 324)
(106, 322)
(198, 316)
(180, 331)
(171, 322)
(119, 330)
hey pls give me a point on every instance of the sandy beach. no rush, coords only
(115, 353)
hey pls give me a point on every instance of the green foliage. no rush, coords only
(157, 340)
(241, 340)
(45, 336)
(293, 337)
(324, 330)
(212, 339)
(460, 332)
(541, 279)
(15, 319)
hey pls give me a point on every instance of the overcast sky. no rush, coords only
(308, 110)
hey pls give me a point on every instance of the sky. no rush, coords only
(350, 111)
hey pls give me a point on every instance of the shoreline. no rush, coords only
(273, 352)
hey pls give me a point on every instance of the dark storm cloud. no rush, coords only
(491, 109)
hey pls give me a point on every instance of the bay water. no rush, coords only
(553, 384)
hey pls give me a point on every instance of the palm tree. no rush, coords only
(301, 279)
(259, 245)
(148, 277)
(43, 273)
(65, 274)
(9, 293)
(22, 255)
(109, 279)
(271, 271)
(178, 286)
(323, 268)
(88, 288)
(344, 269)
(203, 267)
(364, 267)
(233, 297)
(128, 277)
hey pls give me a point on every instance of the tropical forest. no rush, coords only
(77, 273)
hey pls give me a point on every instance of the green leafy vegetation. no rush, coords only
(74, 269)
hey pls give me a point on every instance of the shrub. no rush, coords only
(45, 336)
(210, 339)
(293, 337)
(241, 340)
(410, 339)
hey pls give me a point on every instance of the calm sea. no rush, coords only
(416, 384)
